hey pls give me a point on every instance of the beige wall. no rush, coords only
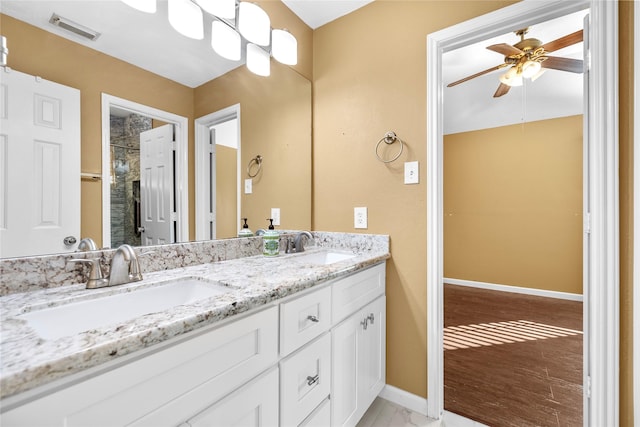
(370, 77)
(513, 205)
(275, 124)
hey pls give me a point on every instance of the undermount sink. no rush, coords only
(323, 258)
(69, 319)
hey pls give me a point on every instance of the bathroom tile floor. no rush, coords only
(512, 359)
(383, 413)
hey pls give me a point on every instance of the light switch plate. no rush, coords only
(275, 216)
(411, 172)
(248, 186)
(360, 217)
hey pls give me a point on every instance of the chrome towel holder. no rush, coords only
(389, 138)
(258, 161)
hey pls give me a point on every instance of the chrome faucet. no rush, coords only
(124, 266)
(87, 244)
(95, 278)
(297, 242)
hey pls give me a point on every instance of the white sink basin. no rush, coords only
(323, 258)
(69, 319)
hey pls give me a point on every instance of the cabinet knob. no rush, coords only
(371, 318)
(313, 319)
(312, 380)
(364, 323)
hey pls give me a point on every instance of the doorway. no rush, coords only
(600, 218)
(113, 167)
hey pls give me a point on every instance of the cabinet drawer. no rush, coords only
(168, 386)
(320, 417)
(253, 405)
(303, 319)
(354, 292)
(305, 381)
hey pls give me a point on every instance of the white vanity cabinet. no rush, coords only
(316, 358)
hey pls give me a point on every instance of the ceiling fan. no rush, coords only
(529, 58)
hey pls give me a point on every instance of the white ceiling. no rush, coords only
(470, 105)
(149, 42)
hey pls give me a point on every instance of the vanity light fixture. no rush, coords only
(225, 41)
(186, 18)
(148, 6)
(254, 23)
(258, 60)
(235, 23)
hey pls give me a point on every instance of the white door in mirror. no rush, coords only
(40, 164)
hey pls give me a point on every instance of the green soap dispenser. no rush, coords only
(245, 231)
(271, 241)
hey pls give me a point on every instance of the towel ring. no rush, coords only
(389, 138)
(258, 161)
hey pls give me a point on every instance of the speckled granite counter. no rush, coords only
(28, 361)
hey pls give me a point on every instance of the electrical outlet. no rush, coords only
(248, 186)
(360, 217)
(411, 174)
(275, 216)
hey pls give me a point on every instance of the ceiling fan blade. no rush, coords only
(473, 76)
(505, 49)
(565, 41)
(564, 64)
(502, 90)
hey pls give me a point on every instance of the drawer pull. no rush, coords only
(313, 318)
(312, 380)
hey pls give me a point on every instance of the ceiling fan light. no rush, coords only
(511, 77)
(258, 60)
(221, 8)
(225, 41)
(186, 18)
(530, 69)
(148, 6)
(284, 47)
(254, 23)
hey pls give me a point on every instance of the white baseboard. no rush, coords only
(515, 289)
(404, 398)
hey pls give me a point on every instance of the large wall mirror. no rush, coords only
(274, 122)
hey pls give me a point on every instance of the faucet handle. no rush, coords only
(96, 277)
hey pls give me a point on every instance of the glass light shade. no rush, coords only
(254, 23)
(186, 18)
(258, 60)
(284, 47)
(530, 69)
(220, 8)
(148, 6)
(226, 41)
(511, 77)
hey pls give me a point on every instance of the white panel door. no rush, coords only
(39, 165)
(156, 185)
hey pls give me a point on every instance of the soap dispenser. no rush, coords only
(271, 241)
(245, 231)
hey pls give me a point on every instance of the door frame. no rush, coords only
(636, 215)
(203, 135)
(601, 286)
(181, 126)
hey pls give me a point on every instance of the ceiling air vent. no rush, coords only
(74, 27)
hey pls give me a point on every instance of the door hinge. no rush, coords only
(587, 223)
(588, 387)
(212, 217)
(174, 216)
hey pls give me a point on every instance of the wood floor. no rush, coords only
(512, 359)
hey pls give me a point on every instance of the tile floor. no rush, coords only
(384, 413)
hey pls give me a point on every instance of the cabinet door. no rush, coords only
(358, 363)
(253, 405)
(371, 362)
(344, 384)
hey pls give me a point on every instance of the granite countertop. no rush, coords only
(28, 361)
